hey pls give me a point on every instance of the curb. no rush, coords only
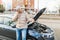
(51, 18)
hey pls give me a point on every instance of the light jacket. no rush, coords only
(21, 19)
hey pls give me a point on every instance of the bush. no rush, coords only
(2, 9)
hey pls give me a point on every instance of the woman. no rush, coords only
(21, 23)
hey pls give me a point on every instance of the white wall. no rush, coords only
(51, 5)
(36, 4)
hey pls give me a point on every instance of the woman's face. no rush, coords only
(19, 10)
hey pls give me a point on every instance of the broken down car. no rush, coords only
(35, 31)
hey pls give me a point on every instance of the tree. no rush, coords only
(2, 9)
(59, 10)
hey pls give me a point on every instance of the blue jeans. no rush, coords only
(21, 34)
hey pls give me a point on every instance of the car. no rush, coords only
(35, 31)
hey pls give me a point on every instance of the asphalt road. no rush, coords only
(54, 24)
(4, 38)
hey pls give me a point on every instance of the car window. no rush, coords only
(5, 20)
(9, 12)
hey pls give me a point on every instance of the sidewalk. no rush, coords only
(50, 17)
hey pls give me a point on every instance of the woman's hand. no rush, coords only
(31, 20)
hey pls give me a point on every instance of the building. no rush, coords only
(23, 2)
(51, 5)
(17, 2)
(0, 1)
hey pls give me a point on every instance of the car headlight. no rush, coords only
(47, 35)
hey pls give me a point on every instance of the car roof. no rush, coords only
(7, 15)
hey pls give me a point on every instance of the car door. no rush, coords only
(5, 29)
